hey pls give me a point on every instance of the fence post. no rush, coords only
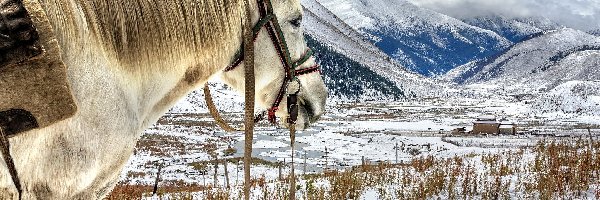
(326, 156)
(591, 139)
(226, 173)
(155, 189)
(396, 148)
(304, 167)
(280, 165)
(216, 166)
(363, 164)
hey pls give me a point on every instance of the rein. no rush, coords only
(10, 164)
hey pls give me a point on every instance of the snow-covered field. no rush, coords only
(185, 143)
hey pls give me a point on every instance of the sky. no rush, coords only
(579, 14)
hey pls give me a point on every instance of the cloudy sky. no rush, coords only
(580, 14)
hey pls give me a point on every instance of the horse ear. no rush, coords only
(33, 83)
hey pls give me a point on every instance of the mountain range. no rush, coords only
(532, 57)
(513, 29)
(345, 54)
(544, 60)
(422, 40)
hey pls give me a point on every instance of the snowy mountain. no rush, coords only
(515, 30)
(345, 54)
(541, 23)
(347, 79)
(595, 32)
(538, 64)
(424, 41)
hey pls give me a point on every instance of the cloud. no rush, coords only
(580, 14)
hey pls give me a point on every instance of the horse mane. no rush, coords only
(162, 33)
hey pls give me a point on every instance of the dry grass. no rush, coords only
(550, 170)
(171, 190)
(124, 191)
(557, 171)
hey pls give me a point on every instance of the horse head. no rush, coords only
(284, 65)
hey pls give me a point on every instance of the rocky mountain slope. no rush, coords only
(347, 55)
(424, 41)
(514, 29)
(538, 64)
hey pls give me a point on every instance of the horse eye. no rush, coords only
(296, 22)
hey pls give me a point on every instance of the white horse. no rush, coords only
(128, 62)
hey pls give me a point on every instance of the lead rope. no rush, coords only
(293, 174)
(214, 112)
(10, 164)
(292, 106)
(249, 97)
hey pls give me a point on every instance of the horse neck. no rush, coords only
(142, 54)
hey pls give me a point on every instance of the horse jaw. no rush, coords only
(269, 71)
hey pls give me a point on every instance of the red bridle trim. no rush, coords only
(315, 68)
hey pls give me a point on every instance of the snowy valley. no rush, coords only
(406, 85)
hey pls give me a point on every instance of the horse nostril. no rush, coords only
(296, 22)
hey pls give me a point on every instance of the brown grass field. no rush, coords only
(550, 170)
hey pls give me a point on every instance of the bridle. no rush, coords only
(268, 20)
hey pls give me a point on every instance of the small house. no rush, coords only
(486, 125)
(490, 125)
(508, 129)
